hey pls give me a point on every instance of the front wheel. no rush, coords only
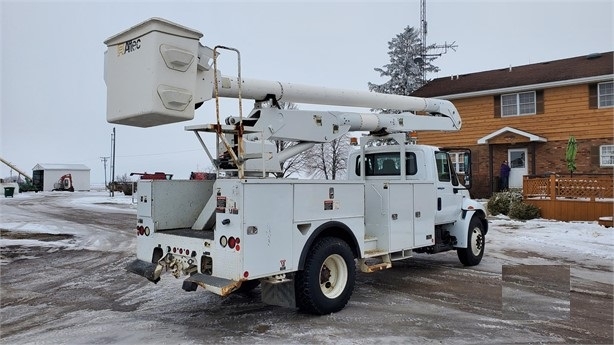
(472, 255)
(327, 281)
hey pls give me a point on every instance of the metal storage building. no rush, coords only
(45, 175)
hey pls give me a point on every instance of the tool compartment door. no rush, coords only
(425, 199)
(267, 228)
(401, 216)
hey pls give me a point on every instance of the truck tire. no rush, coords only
(472, 255)
(327, 281)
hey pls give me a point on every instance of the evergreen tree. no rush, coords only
(404, 70)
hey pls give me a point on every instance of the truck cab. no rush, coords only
(415, 188)
(394, 159)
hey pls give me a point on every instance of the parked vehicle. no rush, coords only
(301, 240)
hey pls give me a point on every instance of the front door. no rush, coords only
(517, 159)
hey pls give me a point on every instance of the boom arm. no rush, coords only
(298, 93)
(157, 72)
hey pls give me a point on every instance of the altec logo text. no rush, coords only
(128, 47)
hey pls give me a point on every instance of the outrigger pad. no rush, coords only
(189, 286)
(144, 269)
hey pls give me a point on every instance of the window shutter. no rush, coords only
(595, 154)
(539, 101)
(497, 106)
(593, 100)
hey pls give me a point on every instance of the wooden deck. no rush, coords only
(571, 198)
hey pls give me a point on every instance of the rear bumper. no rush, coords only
(144, 269)
(151, 271)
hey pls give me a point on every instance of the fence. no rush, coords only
(571, 198)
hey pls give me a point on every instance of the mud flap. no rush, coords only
(278, 293)
(144, 269)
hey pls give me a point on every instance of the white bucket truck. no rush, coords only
(301, 240)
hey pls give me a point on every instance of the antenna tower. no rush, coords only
(438, 48)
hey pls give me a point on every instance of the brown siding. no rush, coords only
(565, 112)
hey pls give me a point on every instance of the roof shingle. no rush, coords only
(592, 65)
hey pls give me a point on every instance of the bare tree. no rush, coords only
(328, 160)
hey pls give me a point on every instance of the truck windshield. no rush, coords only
(387, 164)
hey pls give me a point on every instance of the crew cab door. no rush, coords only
(449, 200)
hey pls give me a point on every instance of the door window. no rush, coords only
(517, 159)
(443, 167)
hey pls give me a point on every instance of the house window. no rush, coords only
(606, 94)
(518, 104)
(606, 155)
(458, 161)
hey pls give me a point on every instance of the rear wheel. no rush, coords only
(472, 255)
(327, 281)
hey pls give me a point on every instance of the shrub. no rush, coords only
(523, 211)
(500, 202)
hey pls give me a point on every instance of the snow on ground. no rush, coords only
(28, 221)
(389, 307)
(101, 200)
(567, 238)
(568, 241)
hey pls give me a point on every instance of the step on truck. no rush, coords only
(301, 240)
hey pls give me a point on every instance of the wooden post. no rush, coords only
(552, 187)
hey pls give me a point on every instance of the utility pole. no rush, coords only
(113, 163)
(104, 162)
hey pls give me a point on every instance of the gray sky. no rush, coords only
(53, 96)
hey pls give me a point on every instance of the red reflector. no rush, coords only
(232, 242)
(245, 274)
(238, 240)
(238, 247)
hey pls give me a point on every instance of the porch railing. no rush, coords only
(571, 198)
(554, 187)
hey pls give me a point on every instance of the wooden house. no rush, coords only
(525, 115)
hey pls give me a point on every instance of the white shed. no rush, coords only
(45, 175)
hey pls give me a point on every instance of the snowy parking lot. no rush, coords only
(62, 259)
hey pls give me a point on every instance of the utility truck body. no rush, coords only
(301, 240)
